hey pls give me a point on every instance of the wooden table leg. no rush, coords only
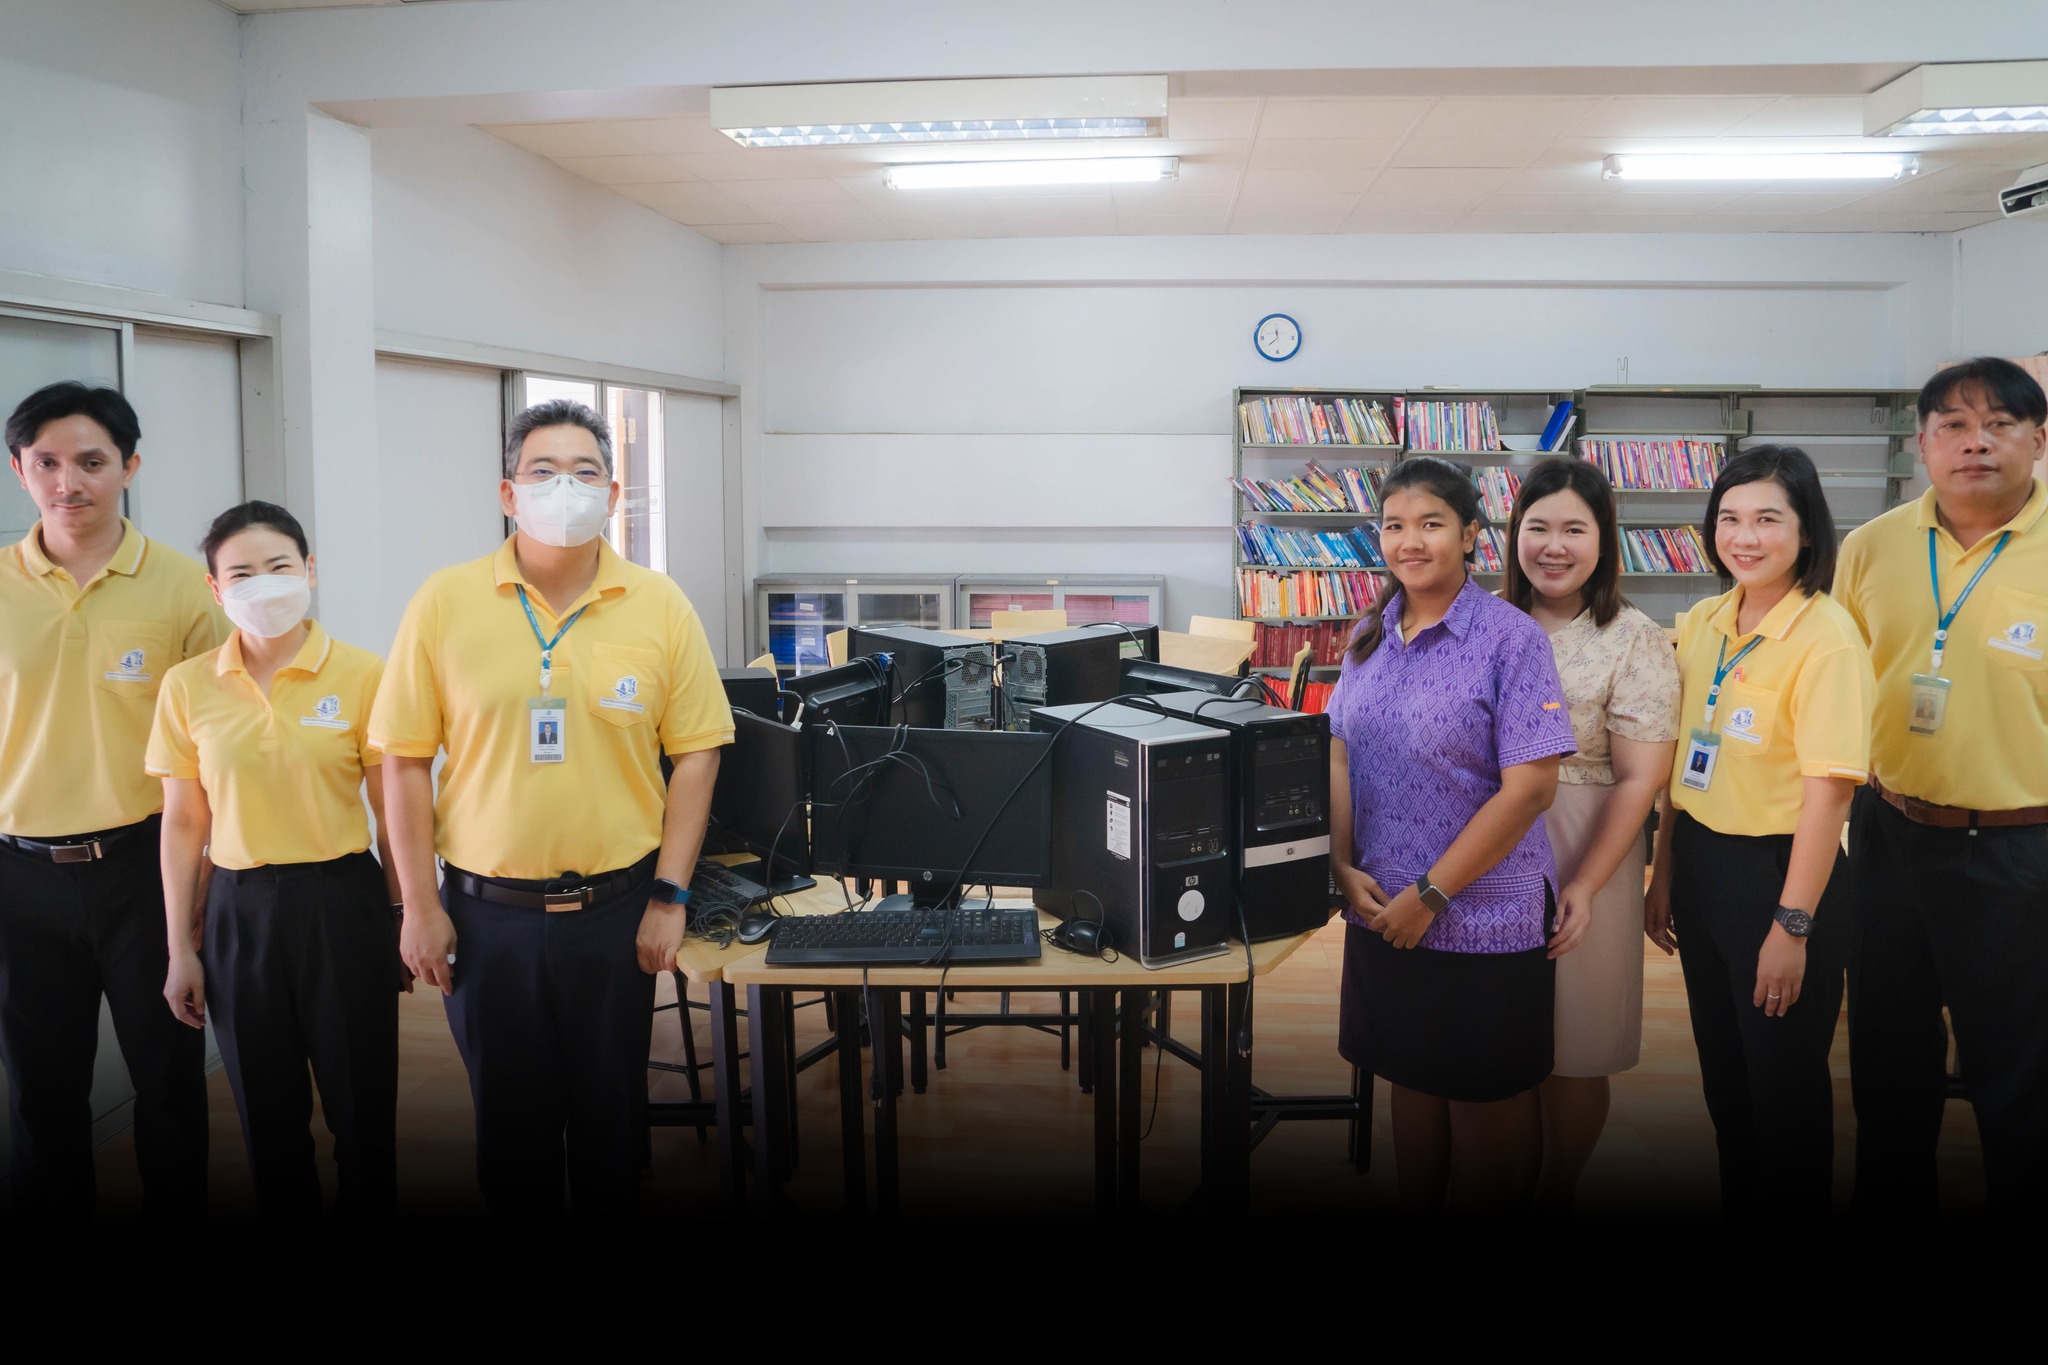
(1098, 1056)
(852, 1137)
(726, 1093)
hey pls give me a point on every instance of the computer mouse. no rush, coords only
(756, 925)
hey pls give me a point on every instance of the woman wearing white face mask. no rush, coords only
(262, 748)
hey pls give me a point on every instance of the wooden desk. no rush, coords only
(1113, 993)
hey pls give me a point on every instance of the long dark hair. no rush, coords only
(1602, 592)
(1450, 482)
(1792, 470)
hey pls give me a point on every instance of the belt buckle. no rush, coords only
(566, 900)
(76, 853)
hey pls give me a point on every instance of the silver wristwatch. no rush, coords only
(1431, 897)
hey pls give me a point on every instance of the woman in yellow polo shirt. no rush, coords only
(262, 748)
(1749, 878)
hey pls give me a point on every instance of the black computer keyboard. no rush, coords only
(882, 938)
(715, 884)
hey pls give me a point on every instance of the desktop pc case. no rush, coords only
(1279, 809)
(947, 681)
(1058, 668)
(1140, 820)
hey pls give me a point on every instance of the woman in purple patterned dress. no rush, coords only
(1447, 728)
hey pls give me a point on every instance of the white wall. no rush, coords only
(2002, 288)
(120, 130)
(479, 241)
(1064, 406)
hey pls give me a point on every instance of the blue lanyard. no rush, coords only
(547, 646)
(1944, 619)
(1723, 666)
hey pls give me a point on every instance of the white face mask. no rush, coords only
(562, 511)
(269, 604)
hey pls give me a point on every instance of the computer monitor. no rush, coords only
(854, 693)
(942, 810)
(758, 803)
(751, 689)
(1144, 678)
(1132, 641)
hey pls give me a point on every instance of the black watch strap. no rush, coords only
(1797, 923)
(1431, 896)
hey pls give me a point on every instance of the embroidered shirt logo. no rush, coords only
(130, 668)
(326, 714)
(2018, 638)
(1742, 725)
(622, 695)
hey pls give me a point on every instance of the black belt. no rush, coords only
(285, 872)
(78, 848)
(570, 891)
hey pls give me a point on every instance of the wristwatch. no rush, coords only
(1434, 899)
(1796, 922)
(667, 892)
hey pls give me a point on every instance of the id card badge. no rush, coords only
(1700, 756)
(546, 721)
(1930, 703)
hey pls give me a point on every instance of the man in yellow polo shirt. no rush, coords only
(92, 615)
(1950, 841)
(555, 675)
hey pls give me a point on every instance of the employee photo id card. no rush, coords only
(546, 720)
(1930, 703)
(1700, 756)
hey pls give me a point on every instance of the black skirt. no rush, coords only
(1472, 1027)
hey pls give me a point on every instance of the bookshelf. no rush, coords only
(1860, 439)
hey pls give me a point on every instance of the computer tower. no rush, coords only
(1140, 819)
(1279, 809)
(946, 681)
(752, 689)
(1058, 668)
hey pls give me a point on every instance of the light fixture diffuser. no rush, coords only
(974, 175)
(1759, 166)
(1961, 97)
(1028, 109)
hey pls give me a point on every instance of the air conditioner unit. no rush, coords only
(2028, 194)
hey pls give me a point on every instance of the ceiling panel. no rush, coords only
(1338, 117)
(1669, 116)
(1211, 119)
(627, 170)
(1466, 116)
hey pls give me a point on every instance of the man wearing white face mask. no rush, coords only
(262, 748)
(555, 675)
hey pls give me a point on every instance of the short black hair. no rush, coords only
(1559, 474)
(2005, 388)
(1792, 470)
(69, 398)
(241, 517)
(556, 412)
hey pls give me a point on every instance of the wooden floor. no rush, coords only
(1003, 1131)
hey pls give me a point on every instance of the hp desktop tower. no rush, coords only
(1279, 809)
(1140, 820)
(1058, 668)
(947, 682)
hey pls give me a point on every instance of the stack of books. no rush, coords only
(1276, 646)
(1464, 427)
(1316, 697)
(1489, 552)
(1304, 592)
(1497, 490)
(1346, 490)
(1294, 420)
(1669, 549)
(1356, 547)
(1667, 464)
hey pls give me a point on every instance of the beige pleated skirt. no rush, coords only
(1600, 982)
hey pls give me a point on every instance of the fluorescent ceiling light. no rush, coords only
(973, 175)
(1961, 97)
(1032, 109)
(1759, 166)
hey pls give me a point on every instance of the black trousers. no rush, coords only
(302, 969)
(1766, 1079)
(554, 1019)
(70, 933)
(1959, 918)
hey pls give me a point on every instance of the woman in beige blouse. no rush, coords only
(1621, 684)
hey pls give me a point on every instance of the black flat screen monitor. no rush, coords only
(917, 813)
(758, 802)
(1144, 678)
(854, 693)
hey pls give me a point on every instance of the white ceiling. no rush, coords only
(1286, 164)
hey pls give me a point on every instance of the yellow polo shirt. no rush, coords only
(1797, 707)
(635, 674)
(1991, 752)
(79, 673)
(283, 773)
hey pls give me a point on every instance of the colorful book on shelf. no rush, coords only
(1298, 420)
(1489, 551)
(1315, 698)
(1670, 465)
(1438, 425)
(1305, 592)
(1274, 646)
(1355, 547)
(1664, 549)
(1553, 430)
(1497, 490)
